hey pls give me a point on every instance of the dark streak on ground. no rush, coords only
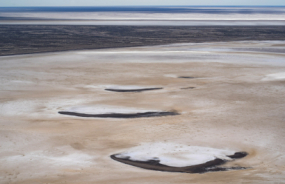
(210, 166)
(186, 77)
(132, 90)
(188, 88)
(27, 39)
(120, 115)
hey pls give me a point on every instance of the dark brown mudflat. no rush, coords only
(119, 115)
(210, 166)
(132, 90)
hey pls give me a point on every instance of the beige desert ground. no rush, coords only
(237, 104)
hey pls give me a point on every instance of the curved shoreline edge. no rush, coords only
(132, 90)
(210, 166)
(120, 115)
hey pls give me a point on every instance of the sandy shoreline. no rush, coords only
(237, 104)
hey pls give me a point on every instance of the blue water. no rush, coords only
(155, 9)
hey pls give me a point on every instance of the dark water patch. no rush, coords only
(186, 77)
(262, 50)
(188, 88)
(121, 115)
(210, 166)
(132, 90)
(28, 39)
(238, 155)
(216, 169)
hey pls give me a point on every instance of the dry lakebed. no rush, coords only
(209, 112)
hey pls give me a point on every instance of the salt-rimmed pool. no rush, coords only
(175, 155)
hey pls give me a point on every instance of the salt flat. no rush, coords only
(237, 105)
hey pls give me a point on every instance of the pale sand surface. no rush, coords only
(238, 104)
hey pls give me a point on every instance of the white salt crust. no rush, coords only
(257, 15)
(34, 108)
(175, 155)
(275, 77)
(104, 109)
(74, 159)
(62, 156)
(37, 108)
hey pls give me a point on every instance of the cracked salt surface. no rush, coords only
(175, 155)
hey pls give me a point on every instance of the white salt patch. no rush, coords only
(19, 107)
(105, 109)
(175, 155)
(55, 104)
(75, 159)
(275, 76)
(37, 164)
(170, 75)
(21, 81)
(257, 15)
(37, 108)
(64, 156)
